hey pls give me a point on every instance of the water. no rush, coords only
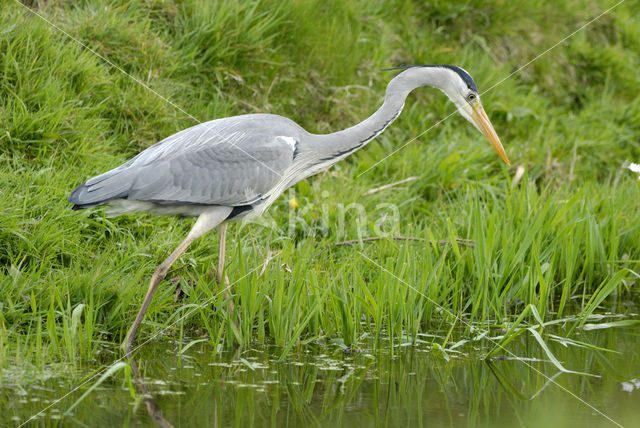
(328, 385)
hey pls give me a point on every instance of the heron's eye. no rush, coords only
(471, 97)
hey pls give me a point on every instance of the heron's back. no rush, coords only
(235, 161)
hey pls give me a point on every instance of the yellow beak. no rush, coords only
(484, 125)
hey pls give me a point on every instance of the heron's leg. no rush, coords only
(156, 278)
(222, 232)
(205, 223)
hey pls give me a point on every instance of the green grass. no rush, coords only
(564, 239)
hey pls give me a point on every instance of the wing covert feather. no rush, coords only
(232, 161)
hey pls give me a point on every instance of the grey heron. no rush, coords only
(231, 168)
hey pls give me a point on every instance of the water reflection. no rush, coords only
(153, 410)
(324, 386)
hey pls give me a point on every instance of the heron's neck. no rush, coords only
(339, 144)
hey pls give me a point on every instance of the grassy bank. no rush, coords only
(564, 238)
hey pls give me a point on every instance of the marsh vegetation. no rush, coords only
(556, 236)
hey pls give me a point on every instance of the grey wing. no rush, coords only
(232, 162)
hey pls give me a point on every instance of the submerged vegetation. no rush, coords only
(555, 234)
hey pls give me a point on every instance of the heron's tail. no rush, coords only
(114, 184)
(79, 198)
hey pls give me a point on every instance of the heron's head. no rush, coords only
(459, 86)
